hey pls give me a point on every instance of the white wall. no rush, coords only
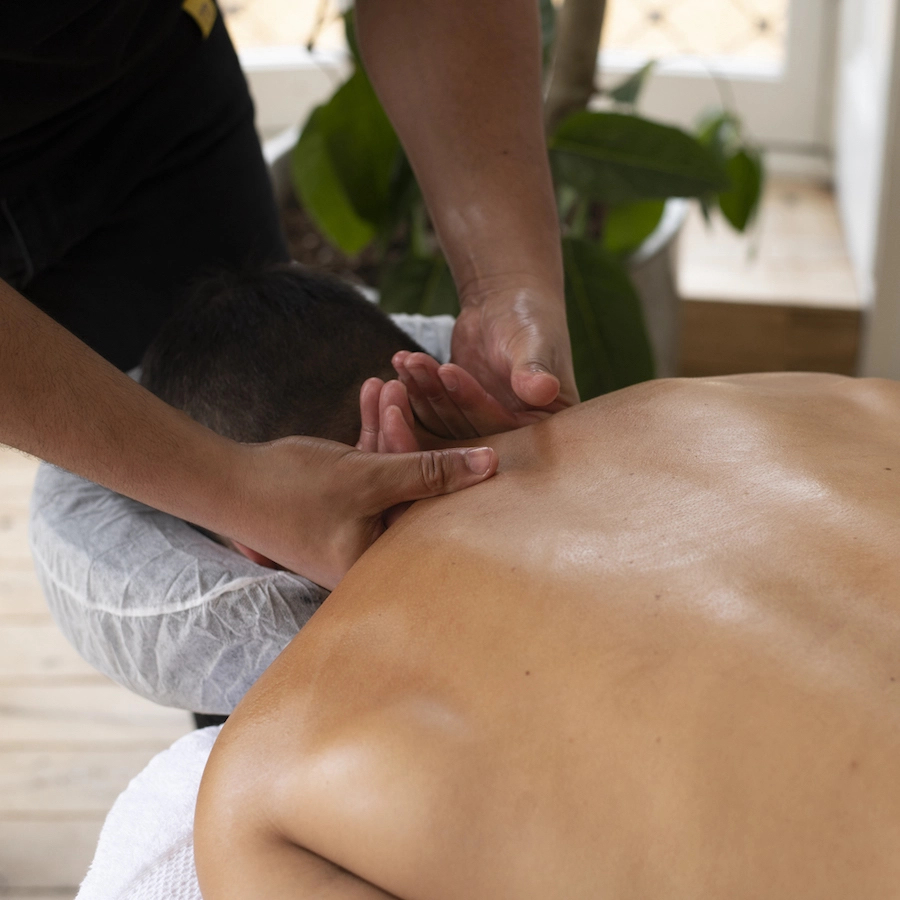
(288, 82)
(865, 59)
(867, 167)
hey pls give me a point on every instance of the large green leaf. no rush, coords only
(362, 143)
(627, 227)
(739, 205)
(610, 346)
(418, 285)
(619, 159)
(343, 164)
(322, 193)
(721, 132)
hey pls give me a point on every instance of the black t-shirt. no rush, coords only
(67, 67)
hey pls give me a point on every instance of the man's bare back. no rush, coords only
(658, 655)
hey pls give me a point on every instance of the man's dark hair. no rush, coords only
(259, 356)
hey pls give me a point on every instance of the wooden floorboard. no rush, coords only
(35, 894)
(47, 854)
(77, 715)
(19, 592)
(38, 649)
(70, 740)
(794, 255)
(81, 782)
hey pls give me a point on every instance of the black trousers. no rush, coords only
(174, 184)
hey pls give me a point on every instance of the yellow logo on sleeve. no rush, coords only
(203, 12)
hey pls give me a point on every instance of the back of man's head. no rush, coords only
(263, 355)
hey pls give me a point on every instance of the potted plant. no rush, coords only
(613, 170)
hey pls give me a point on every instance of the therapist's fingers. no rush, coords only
(485, 414)
(433, 406)
(396, 433)
(397, 436)
(369, 395)
(401, 477)
(423, 409)
(425, 371)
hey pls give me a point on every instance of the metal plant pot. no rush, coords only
(653, 271)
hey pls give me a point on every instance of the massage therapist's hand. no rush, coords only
(315, 506)
(389, 426)
(513, 338)
(529, 349)
(447, 402)
(512, 365)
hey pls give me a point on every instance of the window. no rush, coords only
(771, 59)
(727, 31)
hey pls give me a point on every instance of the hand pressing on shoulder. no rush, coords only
(458, 417)
(316, 506)
(511, 365)
(512, 336)
(450, 403)
(389, 427)
(388, 422)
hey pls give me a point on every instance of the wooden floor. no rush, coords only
(70, 740)
(782, 298)
(794, 255)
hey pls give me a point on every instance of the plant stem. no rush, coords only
(580, 219)
(579, 26)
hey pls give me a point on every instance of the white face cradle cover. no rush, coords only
(156, 605)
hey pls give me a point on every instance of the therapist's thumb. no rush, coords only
(401, 477)
(533, 378)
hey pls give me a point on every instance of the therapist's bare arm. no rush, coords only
(312, 505)
(461, 83)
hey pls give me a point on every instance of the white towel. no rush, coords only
(146, 847)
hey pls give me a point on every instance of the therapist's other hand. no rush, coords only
(315, 506)
(388, 423)
(450, 403)
(513, 339)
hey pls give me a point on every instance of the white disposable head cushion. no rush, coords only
(156, 605)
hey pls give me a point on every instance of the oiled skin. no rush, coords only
(657, 656)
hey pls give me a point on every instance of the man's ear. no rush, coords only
(253, 556)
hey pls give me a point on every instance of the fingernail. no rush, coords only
(450, 380)
(479, 461)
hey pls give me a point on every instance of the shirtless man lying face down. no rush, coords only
(657, 656)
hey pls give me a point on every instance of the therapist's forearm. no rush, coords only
(312, 505)
(461, 82)
(62, 402)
